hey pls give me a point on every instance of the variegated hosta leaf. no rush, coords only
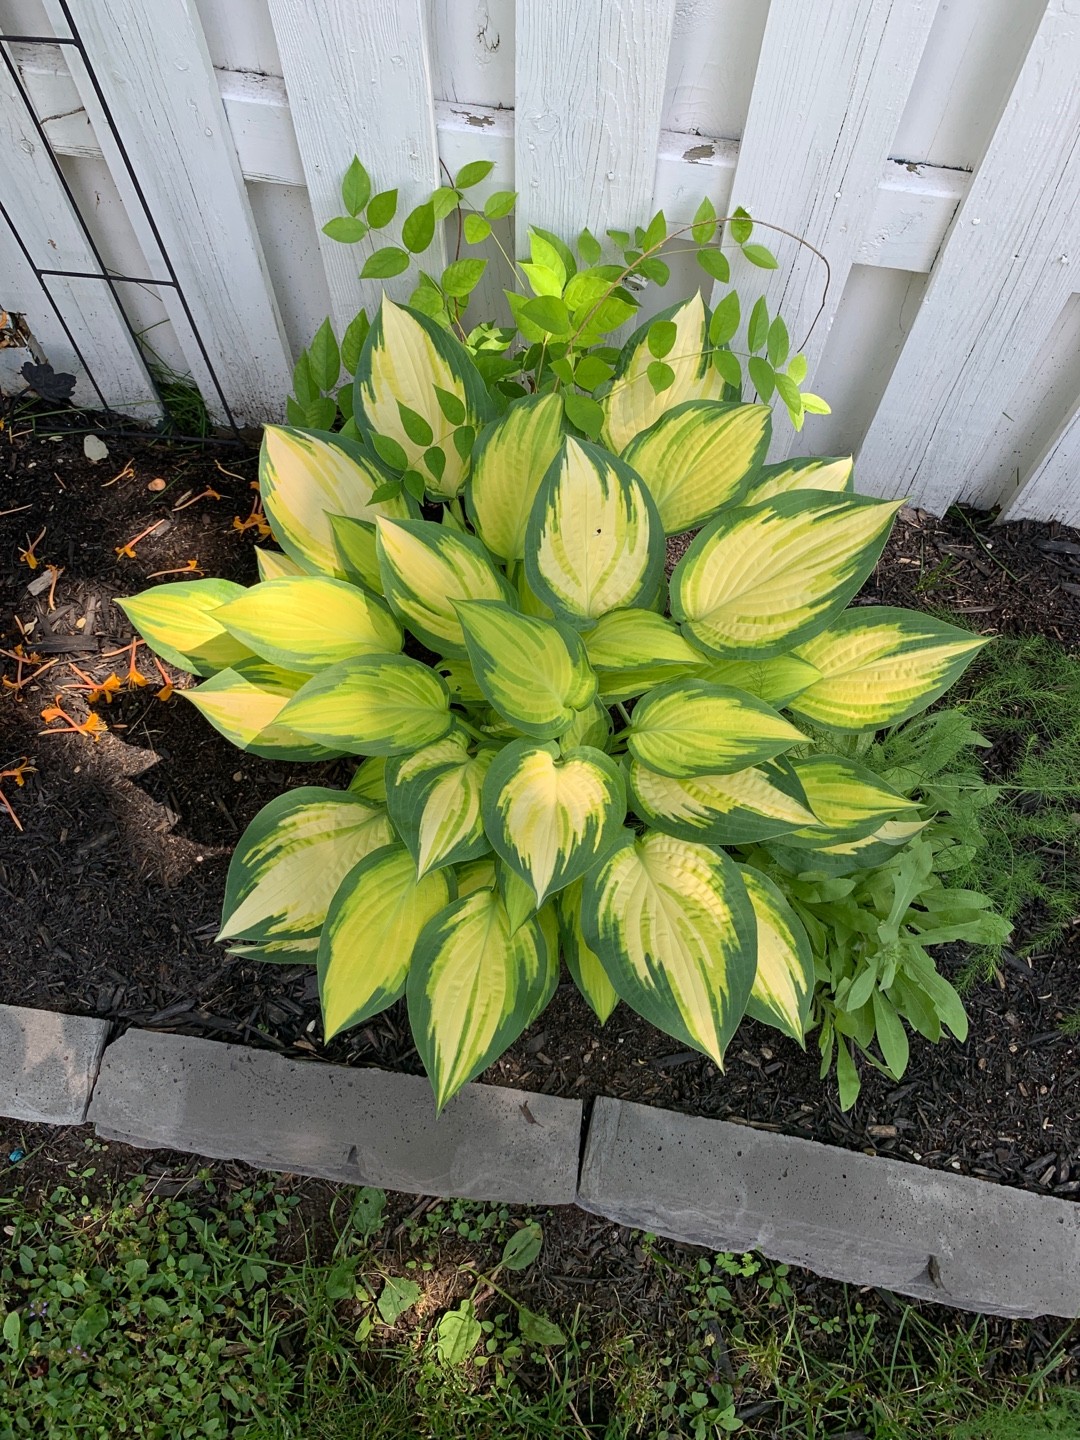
(304, 478)
(303, 951)
(473, 987)
(291, 859)
(307, 622)
(177, 621)
(461, 682)
(784, 981)
(373, 705)
(877, 847)
(528, 602)
(802, 474)
(550, 817)
(675, 927)
(583, 963)
(760, 580)
(274, 565)
(369, 779)
(637, 641)
(737, 809)
(372, 926)
(591, 726)
(535, 673)
(475, 875)
(433, 797)
(517, 895)
(848, 800)
(689, 727)
(632, 404)
(594, 541)
(881, 665)
(425, 568)
(245, 703)
(407, 358)
(776, 681)
(698, 457)
(511, 458)
(358, 557)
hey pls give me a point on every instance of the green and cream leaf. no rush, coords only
(371, 929)
(290, 860)
(473, 986)
(534, 672)
(676, 928)
(549, 816)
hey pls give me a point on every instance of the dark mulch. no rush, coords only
(111, 891)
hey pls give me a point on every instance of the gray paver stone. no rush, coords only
(48, 1064)
(367, 1127)
(864, 1219)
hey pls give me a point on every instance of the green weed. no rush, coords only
(276, 1313)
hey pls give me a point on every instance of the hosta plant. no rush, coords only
(563, 753)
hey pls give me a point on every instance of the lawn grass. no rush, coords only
(276, 1308)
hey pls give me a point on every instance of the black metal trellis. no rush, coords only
(43, 274)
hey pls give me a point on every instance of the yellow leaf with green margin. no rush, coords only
(244, 703)
(291, 859)
(741, 808)
(433, 797)
(699, 456)
(836, 474)
(371, 929)
(584, 965)
(178, 622)
(550, 817)
(594, 541)
(307, 622)
(848, 800)
(425, 569)
(880, 665)
(535, 673)
(776, 681)
(512, 457)
(689, 727)
(304, 478)
(373, 705)
(632, 404)
(407, 358)
(274, 565)
(761, 580)
(784, 979)
(675, 929)
(473, 987)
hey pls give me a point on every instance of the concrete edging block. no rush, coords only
(366, 1127)
(863, 1219)
(48, 1064)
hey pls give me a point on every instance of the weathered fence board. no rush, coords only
(590, 87)
(1004, 274)
(828, 93)
(896, 137)
(54, 240)
(156, 78)
(359, 80)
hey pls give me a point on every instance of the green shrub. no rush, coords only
(564, 752)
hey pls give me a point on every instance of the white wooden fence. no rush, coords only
(930, 148)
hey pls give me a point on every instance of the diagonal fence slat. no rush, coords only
(53, 238)
(998, 286)
(156, 78)
(589, 93)
(831, 84)
(359, 81)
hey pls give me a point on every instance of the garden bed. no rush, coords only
(112, 889)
